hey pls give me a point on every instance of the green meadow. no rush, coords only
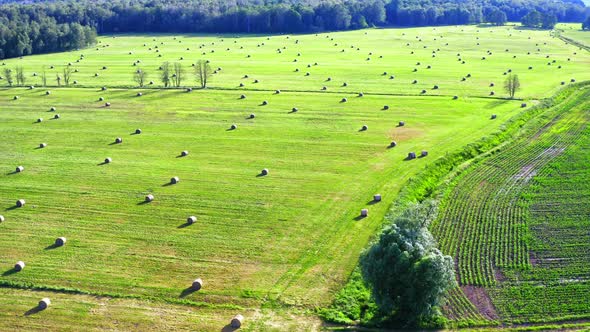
(272, 247)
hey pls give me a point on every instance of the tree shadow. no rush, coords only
(33, 311)
(9, 272)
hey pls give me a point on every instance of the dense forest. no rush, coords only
(29, 27)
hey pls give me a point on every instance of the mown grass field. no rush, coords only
(284, 241)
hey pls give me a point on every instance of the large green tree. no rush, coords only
(408, 276)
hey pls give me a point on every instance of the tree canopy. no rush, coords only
(29, 27)
(408, 276)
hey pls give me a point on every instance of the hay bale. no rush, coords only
(139, 94)
(15, 97)
(19, 266)
(573, 80)
(242, 96)
(252, 116)
(149, 198)
(184, 153)
(189, 89)
(492, 84)
(364, 213)
(386, 107)
(343, 100)
(401, 124)
(264, 171)
(324, 88)
(197, 284)
(191, 220)
(52, 109)
(256, 81)
(118, 140)
(1, 218)
(412, 155)
(47, 93)
(19, 169)
(44, 303)
(20, 203)
(137, 131)
(523, 105)
(294, 110)
(344, 84)
(56, 116)
(241, 85)
(391, 77)
(237, 321)
(108, 160)
(364, 128)
(393, 144)
(104, 88)
(39, 120)
(493, 116)
(455, 97)
(107, 104)
(100, 98)
(377, 198)
(415, 82)
(277, 92)
(424, 153)
(60, 241)
(361, 94)
(492, 93)
(175, 180)
(42, 145)
(264, 102)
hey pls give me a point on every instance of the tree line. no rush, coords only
(50, 26)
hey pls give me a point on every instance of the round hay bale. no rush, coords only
(95, 74)
(264, 102)
(455, 97)
(20, 203)
(573, 80)
(386, 107)
(256, 81)
(52, 109)
(189, 89)
(60, 241)
(401, 124)
(44, 303)
(42, 145)
(294, 109)
(19, 266)
(197, 284)
(412, 155)
(108, 160)
(47, 93)
(364, 128)
(118, 140)
(493, 116)
(39, 120)
(101, 99)
(562, 83)
(492, 84)
(423, 91)
(329, 79)
(415, 82)
(104, 88)
(191, 220)
(324, 88)
(377, 198)
(237, 321)
(19, 169)
(307, 74)
(492, 93)
(139, 94)
(344, 84)
(107, 104)
(15, 97)
(31, 87)
(104, 67)
(361, 94)
(233, 127)
(343, 100)
(435, 87)
(364, 213)
(1, 218)
(137, 131)
(393, 144)
(241, 85)
(242, 96)
(523, 105)
(264, 171)
(277, 92)
(424, 153)
(252, 116)
(184, 153)
(175, 180)
(391, 77)
(149, 198)
(56, 116)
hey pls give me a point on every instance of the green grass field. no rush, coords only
(284, 242)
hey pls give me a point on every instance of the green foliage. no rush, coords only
(408, 276)
(535, 19)
(512, 84)
(496, 17)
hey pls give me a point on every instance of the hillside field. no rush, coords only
(271, 247)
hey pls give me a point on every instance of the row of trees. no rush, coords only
(63, 78)
(48, 26)
(535, 19)
(174, 74)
